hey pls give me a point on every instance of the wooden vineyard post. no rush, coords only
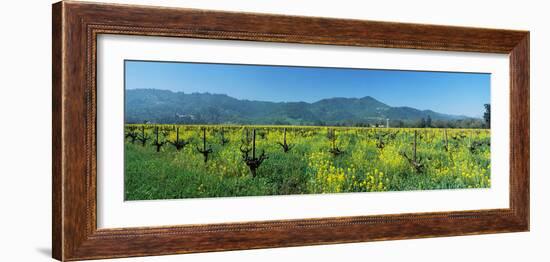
(204, 151)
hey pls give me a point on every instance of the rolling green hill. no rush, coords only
(163, 106)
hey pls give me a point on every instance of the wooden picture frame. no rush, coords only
(76, 26)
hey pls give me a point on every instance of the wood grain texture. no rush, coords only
(519, 129)
(76, 26)
(57, 202)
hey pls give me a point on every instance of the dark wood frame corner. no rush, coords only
(76, 26)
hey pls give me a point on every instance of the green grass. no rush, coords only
(309, 167)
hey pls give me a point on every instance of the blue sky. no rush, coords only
(451, 93)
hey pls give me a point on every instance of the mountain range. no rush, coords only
(164, 106)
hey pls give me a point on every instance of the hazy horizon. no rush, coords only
(462, 94)
(158, 89)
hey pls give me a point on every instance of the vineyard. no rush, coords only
(194, 161)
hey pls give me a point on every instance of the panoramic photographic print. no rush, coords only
(203, 130)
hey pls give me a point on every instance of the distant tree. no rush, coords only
(487, 115)
(422, 123)
(320, 123)
(397, 123)
(281, 122)
(429, 121)
(439, 123)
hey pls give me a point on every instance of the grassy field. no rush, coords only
(228, 161)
